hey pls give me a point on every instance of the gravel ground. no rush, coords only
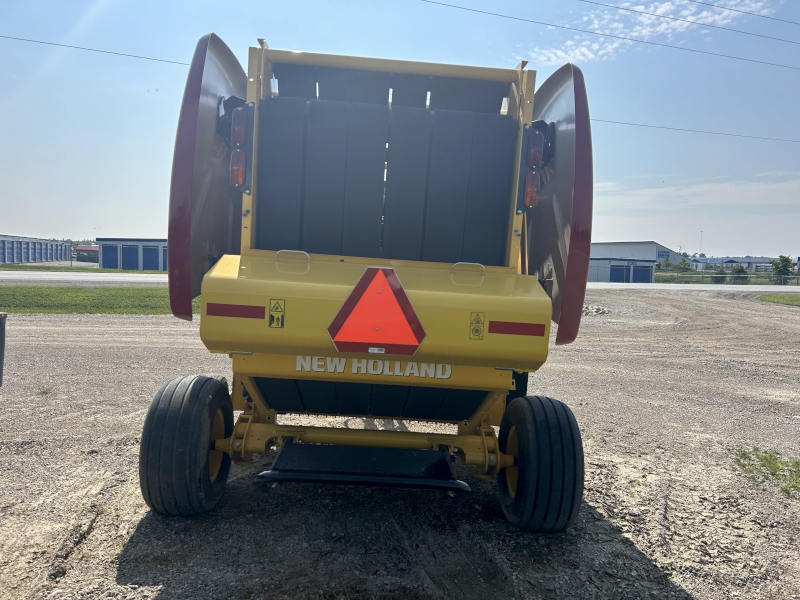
(665, 388)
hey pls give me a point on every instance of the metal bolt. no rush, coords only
(491, 458)
(519, 212)
(527, 126)
(376, 329)
(238, 444)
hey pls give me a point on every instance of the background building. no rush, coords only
(629, 262)
(87, 253)
(18, 249)
(133, 254)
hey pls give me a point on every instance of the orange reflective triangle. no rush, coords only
(377, 318)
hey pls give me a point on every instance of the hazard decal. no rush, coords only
(377, 317)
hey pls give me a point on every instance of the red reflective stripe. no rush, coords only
(242, 311)
(512, 328)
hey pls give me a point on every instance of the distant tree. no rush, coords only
(694, 255)
(665, 264)
(720, 275)
(781, 269)
(739, 274)
(685, 254)
(683, 266)
(702, 255)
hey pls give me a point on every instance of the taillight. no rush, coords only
(238, 167)
(535, 149)
(531, 198)
(239, 126)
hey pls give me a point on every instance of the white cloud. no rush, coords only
(727, 195)
(585, 47)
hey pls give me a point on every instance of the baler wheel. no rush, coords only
(543, 490)
(180, 473)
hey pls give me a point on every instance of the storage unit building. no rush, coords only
(133, 254)
(617, 270)
(634, 250)
(19, 249)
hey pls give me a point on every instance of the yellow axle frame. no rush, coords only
(256, 431)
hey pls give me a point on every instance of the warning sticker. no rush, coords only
(477, 323)
(277, 313)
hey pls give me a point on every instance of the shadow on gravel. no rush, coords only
(331, 542)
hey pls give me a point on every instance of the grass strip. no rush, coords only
(63, 268)
(63, 299)
(767, 465)
(789, 299)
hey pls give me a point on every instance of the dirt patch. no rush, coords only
(666, 387)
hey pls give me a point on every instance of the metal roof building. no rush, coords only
(133, 254)
(20, 249)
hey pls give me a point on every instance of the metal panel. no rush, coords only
(296, 81)
(164, 257)
(280, 394)
(468, 95)
(204, 210)
(353, 398)
(561, 224)
(352, 85)
(317, 396)
(281, 139)
(150, 258)
(424, 402)
(642, 274)
(2, 251)
(326, 158)
(447, 186)
(460, 404)
(410, 90)
(130, 258)
(367, 135)
(110, 254)
(619, 274)
(388, 400)
(491, 171)
(406, 180)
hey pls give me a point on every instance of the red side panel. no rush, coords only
(560, 228)
(204, 211)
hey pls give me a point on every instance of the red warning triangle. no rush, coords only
(377, 317)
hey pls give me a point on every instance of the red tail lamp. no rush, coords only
(238, 167)
(239, 126)
(535, 149)
(532, 183)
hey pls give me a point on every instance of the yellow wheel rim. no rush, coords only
(215, 456)
(512, 449)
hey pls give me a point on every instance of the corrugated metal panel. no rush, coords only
(110, 254)
(130, 258)
(150, 258)
(164, 259)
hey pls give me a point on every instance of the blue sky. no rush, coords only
(86, 139)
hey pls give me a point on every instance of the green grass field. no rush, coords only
(790, 299)
(76, 269)
(62, 299)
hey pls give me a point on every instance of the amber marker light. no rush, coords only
(239, 167)
(531, 190)
(535, 149)
(239, 127)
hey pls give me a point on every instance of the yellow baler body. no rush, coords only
(312, 289)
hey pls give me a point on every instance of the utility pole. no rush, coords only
(701, 240)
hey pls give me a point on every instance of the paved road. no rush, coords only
(692, 287)
(151, 279)
(81, 278)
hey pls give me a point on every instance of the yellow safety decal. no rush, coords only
(277, 313)
(477, 323)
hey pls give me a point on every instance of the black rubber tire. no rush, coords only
(549, 488)
(174, 471)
